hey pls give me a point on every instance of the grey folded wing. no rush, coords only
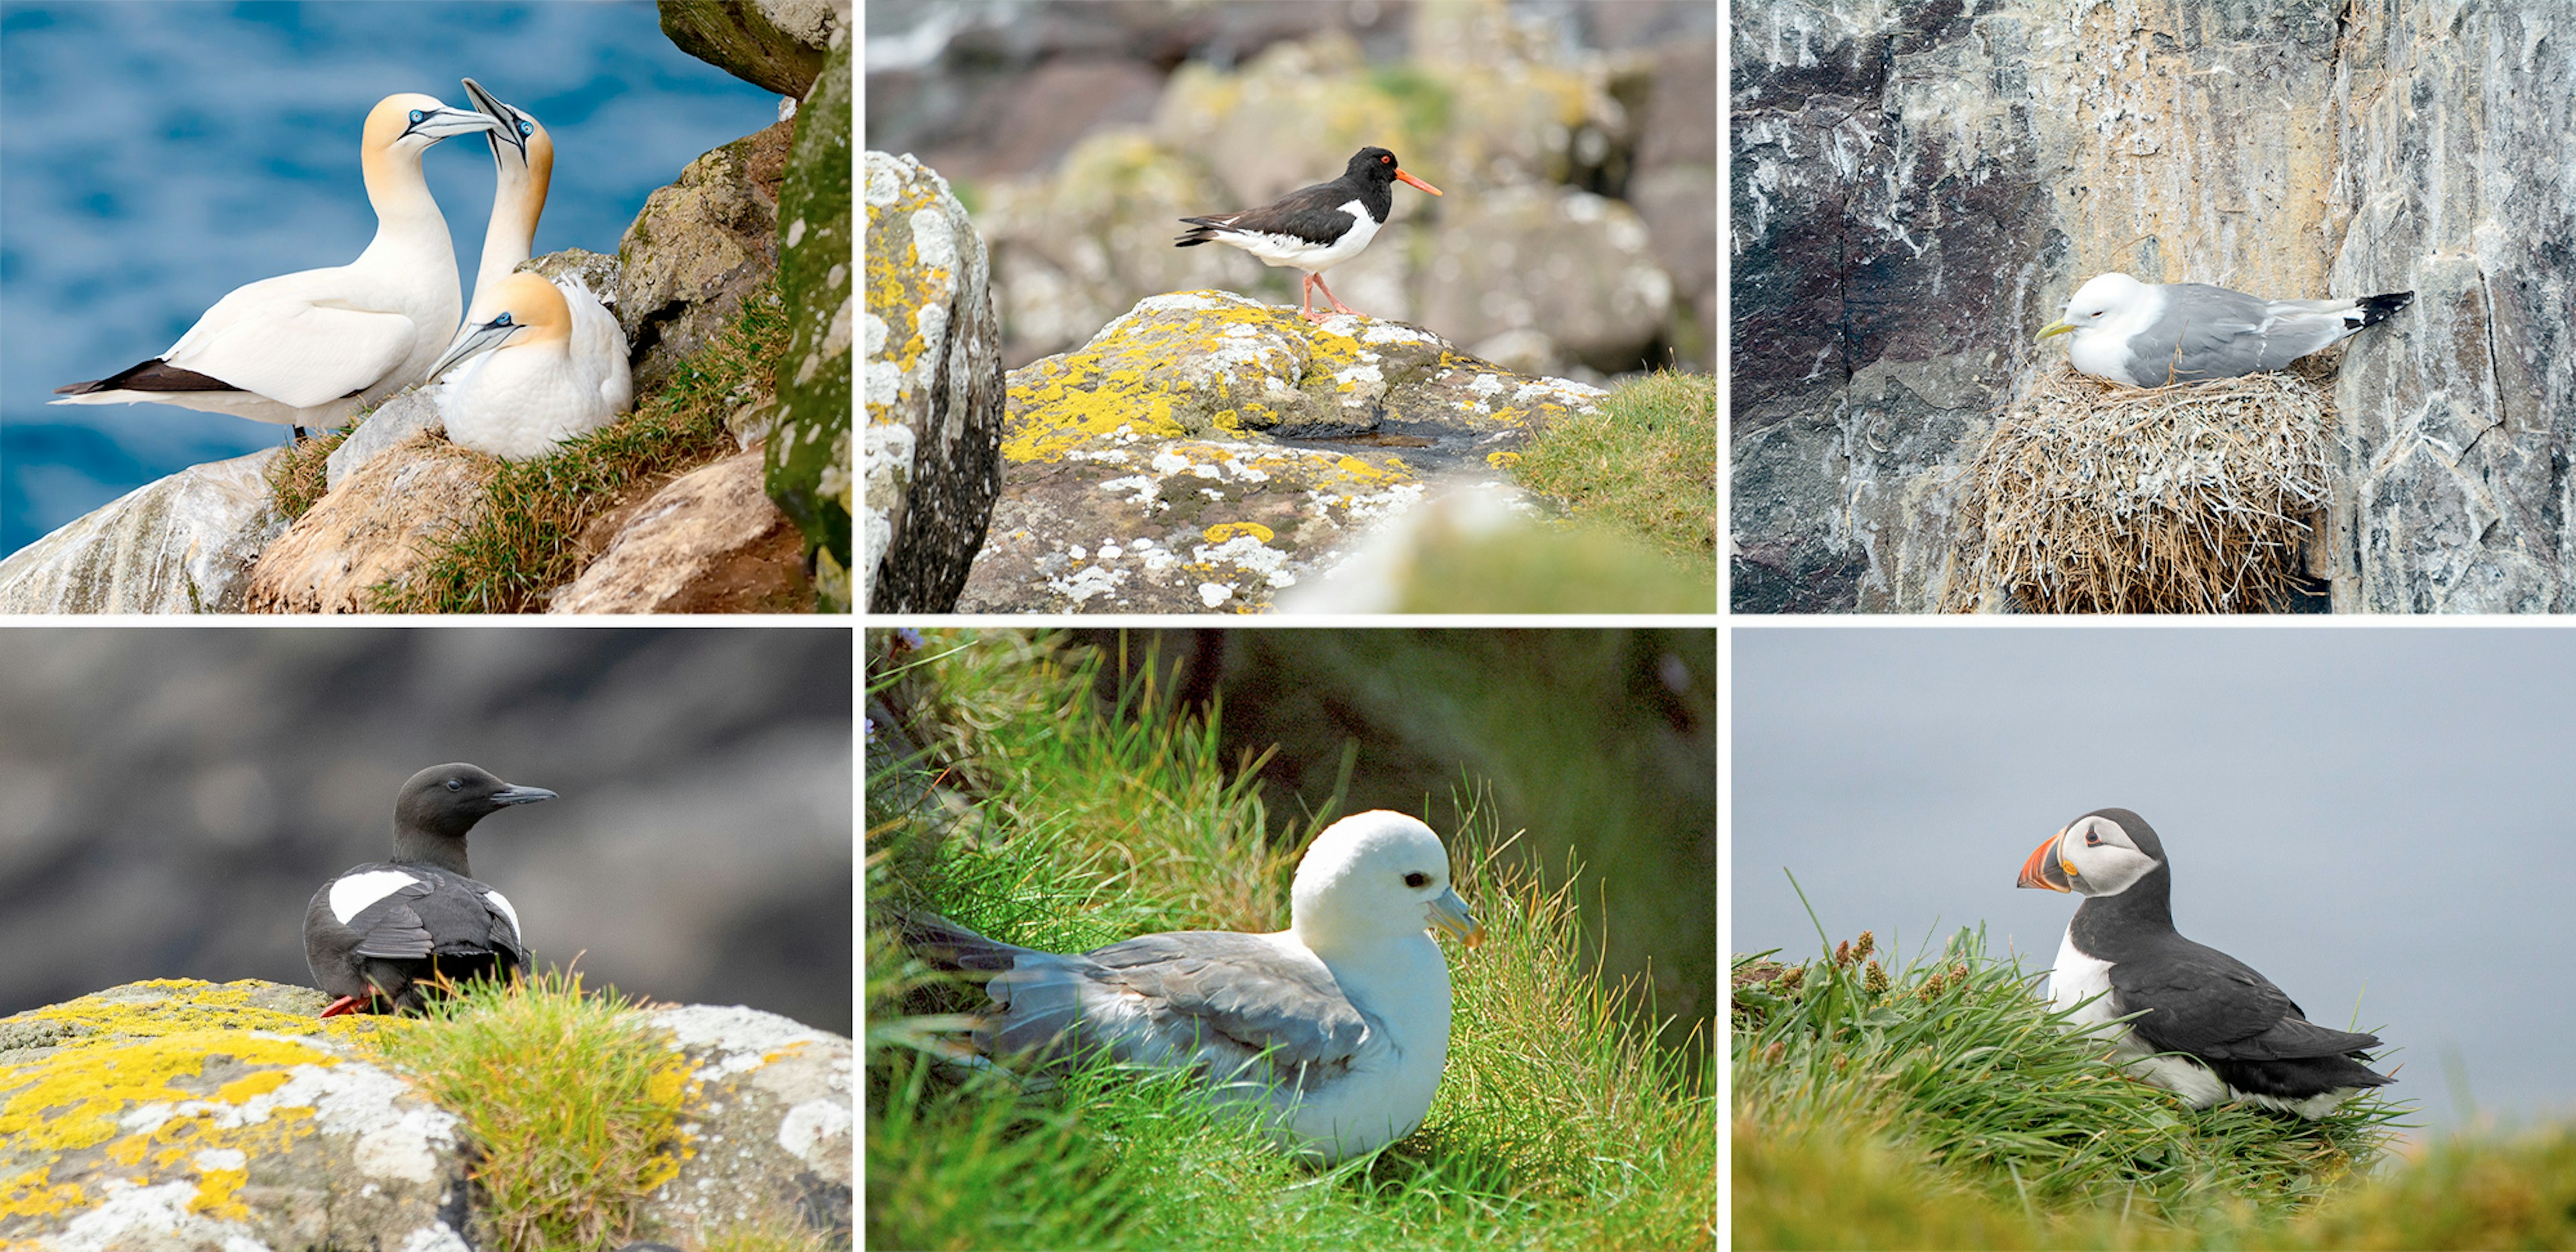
(1233, 1007)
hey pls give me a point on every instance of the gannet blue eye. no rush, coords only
(503, 320)
(416, 115)
(527, 127)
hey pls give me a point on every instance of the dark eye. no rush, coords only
(1416, 878)
(2092, 840)
(456, 784)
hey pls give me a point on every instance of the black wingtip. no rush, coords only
(2377, 309)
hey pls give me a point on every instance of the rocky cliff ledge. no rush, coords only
(184, 1116)
(735, 498)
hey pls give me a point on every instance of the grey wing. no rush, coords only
(2205, 332)
(1218, 1002)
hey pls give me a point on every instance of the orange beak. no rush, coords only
(2042, 869)
(1417, 182)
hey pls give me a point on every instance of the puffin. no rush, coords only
(1313, 228)
(2213, 1031)
(382, 935)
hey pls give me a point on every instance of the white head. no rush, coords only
(2100, 302)
(1376, 876)
(405, 124)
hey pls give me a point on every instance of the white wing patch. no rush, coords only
(354, 894)
(502, 903)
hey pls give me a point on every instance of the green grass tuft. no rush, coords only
(1645, 463)
(1054, 822)
(572, 1103)
(526, 540)
(300, 475)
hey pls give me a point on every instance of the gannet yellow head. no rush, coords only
(408, 121)
(521, 148)
(531, 311)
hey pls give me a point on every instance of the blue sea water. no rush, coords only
(156, 154)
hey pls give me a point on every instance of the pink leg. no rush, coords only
(1338, 306)
(1306, 300)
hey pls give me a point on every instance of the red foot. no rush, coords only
(345, 1004)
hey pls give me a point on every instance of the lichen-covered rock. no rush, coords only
(698, 247)
(808, 446)
(179, 1116)
(930, 460)
(377, 527)
(182, 544)
(184, 1116)
(775, 44)
(1205, 452)
(710, 541)
(770, 1128)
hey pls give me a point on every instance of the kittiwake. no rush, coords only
(1334, 1030)
(2151, 334)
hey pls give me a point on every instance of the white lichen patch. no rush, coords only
(1391, 332)
(743, 1038)
(1214, 594)
(1249, 554)
(810, 1128)
(1089, 581)
(432, 1238)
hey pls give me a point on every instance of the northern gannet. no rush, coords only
(520, 385)
(312, 347)
(523, 161)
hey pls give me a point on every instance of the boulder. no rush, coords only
(698, 247)
(1916, 191)
(710, 541)
(184, 1116)
(1205, 452)
(183, 544)
(808, 460)
(1569, 264)
(377, 527)
(935, 408)
(391, 423)
(778, 45)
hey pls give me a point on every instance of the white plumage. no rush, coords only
(310, 348)
(517, 385)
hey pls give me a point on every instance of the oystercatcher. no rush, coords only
(2213, 1030)
(1313, 228)
(379, 935)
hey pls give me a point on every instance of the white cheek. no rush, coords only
(354, 894)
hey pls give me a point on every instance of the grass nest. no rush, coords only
(2091, 497)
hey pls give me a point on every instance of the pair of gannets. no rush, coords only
(536, 364)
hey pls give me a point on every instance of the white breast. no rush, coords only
(2077, 976)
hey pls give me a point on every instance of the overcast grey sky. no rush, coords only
(2374, 817)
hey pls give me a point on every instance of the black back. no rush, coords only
(1313, 214)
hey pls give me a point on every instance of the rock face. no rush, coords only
(377, 527)
(809, 440)
(181, 545)
(1917, 190)
(932, 465)
(181, 1116)
(709, 542)
(698, 247)
(1206, 452)
(775, 44)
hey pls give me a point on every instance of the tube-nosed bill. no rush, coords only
(2045, 869)
(1448, 914)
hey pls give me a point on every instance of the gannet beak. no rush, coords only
(443, 122)
(2058, 327)
(475, 341)
(1448, 915)
(2045, 869)
(510, 125)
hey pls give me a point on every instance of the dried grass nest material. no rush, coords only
(2091, 497)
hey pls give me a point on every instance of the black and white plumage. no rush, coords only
(2213, 1030)
(379, 935)
(1313, 228)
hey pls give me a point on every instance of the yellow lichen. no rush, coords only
(1223, 531)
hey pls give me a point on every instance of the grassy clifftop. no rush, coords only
(1944, 1105)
